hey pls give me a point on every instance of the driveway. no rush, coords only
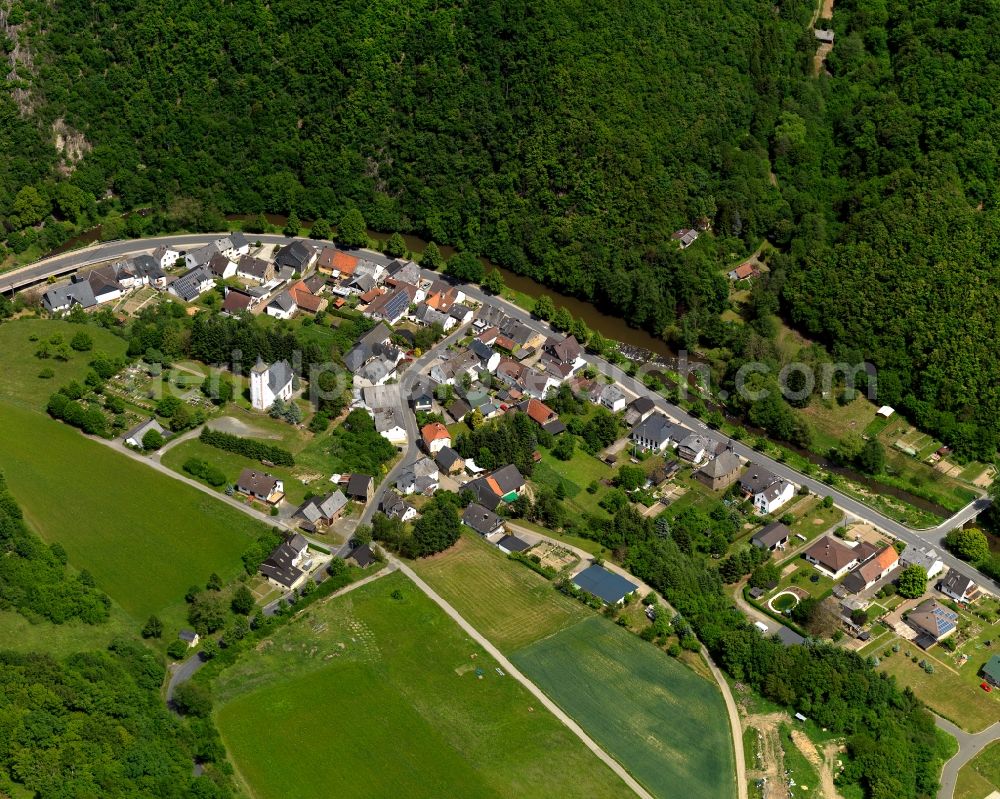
(969, 745)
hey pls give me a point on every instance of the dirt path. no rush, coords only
(770, 757)
(514, 672)
(824, 765)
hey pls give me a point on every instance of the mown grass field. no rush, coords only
(21, 383)
(507, 602)
(664, 723)
(981, 775)
(144, 536)
(368, 695)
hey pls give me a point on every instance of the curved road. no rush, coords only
(62, 265)
(969, 745)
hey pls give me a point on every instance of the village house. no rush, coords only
(254, 270)
(482, 520)
(503, 485)
(959, 587)
(260, 485)
(200, 256)
(874, 568)
(390, 307)
(359, 487)
(767, 491)
(720, 472)
(685, 237)
(744, 271)
(925, 557)
(283, 306)
(933, 622)
(435, 437)
(542, 415)
(831, 557)
(298, 256)
(657, 433)
(562, 357)
(773, 536)
(287, 567)
(337, 263)
(420, 477)
(192, 284)
(389, 425)
(489, 359)
(63, 298)
(237, 302)
(449, 461)
(613, 398)
(269, 383)
(221, 267)
(321, 511)
(393, 506)
(166, 256)
(694, 448)
(639, 410)
(134, 436)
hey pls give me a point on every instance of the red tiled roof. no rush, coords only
(744, 271)
(434, 431)
(539, 411)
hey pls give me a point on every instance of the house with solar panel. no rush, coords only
(933, 622)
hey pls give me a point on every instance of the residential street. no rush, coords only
(970, 745)
(513, 671)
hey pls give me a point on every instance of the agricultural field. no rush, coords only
(978, 778)
(406, 705)
(663, 722)
(21, 383)
(107, 510)
(507, 602)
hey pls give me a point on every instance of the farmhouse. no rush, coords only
(720, 472)
(287, 566)
(932, 621)
(296, 255)
(771, 536)
(831, 557)
(269, 383)
(483, 521)
(134, 436)
(873, 569)
(608, 586)
(260, 485)
(321, 510)
(959, 587)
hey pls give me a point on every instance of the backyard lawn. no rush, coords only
(811, 519)
(953, 693)
(21, 383)
(507, 602)
(575, 475)
(664, 723)
(980, 776)
(144, 536)
(368, 695)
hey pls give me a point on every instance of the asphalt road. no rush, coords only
(63, 264)
(969, 745)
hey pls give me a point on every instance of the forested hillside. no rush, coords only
(900, 267)
(566, 140)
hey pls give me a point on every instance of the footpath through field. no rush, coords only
(735, 727)
(514, 672)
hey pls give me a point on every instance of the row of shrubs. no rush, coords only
(248, 447)
(212, 475)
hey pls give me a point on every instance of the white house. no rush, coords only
(613, 398)
(773, 497)
(389, 425)
(268, 383)
(282, 307)
(435, 436)
(134, 436)
(166, 256)
(959, 587)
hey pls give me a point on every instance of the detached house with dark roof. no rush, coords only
(260, 485)
(877, 566)
(657, 433)
(932, 621)
(771, 536)
(482, 520)
(321, 510)
(254, 270)
(298, 255)
(959, 587)
(831, 557)
(287, 567)
(720, 472)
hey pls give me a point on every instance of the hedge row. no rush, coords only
(248, 447)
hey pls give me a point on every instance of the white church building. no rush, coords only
(268, 383)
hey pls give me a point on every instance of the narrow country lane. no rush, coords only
(514, 672)
(969, 745)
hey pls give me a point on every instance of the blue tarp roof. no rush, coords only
(607, 585)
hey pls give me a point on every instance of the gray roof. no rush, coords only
(280, 567)
(79, 293)
(362, 555)
(322, 507)
(771, 534)
(295, 255)
(480, 519)
(957, 583)
(429, 316)
(642, 404)
(508, 478)
(658, 428)
(188, 285)
(283, 302)
(491, 315)
(374, 371)
(459, 311)
(140, 430)
(386, 419)
(358, 485)
(447, 457)
(259, 483)
(239, 240)
(513, 544)
(482, 351)
(255, 267)
(202, 255)
(601, 583)
(146, 265)
(367, 347)
(726, 463)
(756, 479)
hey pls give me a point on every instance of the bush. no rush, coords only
(177, 649)
(153, 628)
(210, 474)
(152, 440)
(190, 699)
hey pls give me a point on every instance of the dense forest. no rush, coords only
(567, 141)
